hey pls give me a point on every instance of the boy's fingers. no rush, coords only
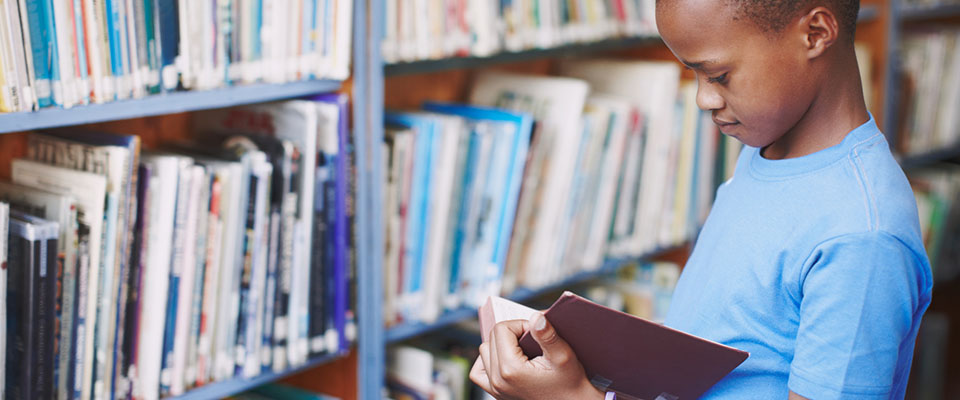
(478, 375)
(509, 355)
(554, 348)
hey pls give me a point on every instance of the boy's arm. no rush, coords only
(794, 396)
(860, 296)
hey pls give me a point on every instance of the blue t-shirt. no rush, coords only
(816, 267)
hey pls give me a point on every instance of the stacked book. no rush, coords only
(424, 29)
(67, 53)
(144, 274)
(931, 63)
(542, 178)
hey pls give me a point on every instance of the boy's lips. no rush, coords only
(723, 123)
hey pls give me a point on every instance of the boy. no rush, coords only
(811, 259)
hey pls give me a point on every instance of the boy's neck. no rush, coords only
(837, 109)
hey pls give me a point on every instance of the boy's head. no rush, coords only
(761, 64)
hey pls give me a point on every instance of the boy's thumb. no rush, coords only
(553, 346)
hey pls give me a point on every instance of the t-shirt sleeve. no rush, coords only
(859, 297)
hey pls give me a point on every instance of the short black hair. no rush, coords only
(774, 15)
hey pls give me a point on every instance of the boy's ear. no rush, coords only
(820, 30)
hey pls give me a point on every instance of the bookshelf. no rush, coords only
(405, 331)
(161, 104)
(367, 89)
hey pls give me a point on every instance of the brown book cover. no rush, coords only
(633, 356)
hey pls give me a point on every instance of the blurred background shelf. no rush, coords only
(409, 330)
(219, 390)
(164, 103)
(932, 158)
(922, 13)
(426, 66)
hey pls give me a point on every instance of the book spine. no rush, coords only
(46, 329)
(80, 43)
(151, 46)
(317, 329)
(176, 271)
(246, 275)
(21, 306)
(211, 281)
(270, 295)
(138, 259)
(43, 47)
(168, 32)
(82, 325)
(67, 52)
(202, 217)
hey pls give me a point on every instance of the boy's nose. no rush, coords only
(707, 98)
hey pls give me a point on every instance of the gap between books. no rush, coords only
(407, 330)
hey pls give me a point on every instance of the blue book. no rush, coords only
(114, 24)
(168, 33)
(43, 45)
(518, 148)
(418, 217)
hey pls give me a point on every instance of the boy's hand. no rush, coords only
(505, 372)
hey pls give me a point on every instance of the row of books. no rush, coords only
(481, 200)
(425, 371)
(644, 290)
(422, 29)
(225, 256)
(931, 63)
(73, 52)
(937, 192)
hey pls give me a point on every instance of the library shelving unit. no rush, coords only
(361, 89)
(900, 15)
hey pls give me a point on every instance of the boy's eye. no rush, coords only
(719, 79)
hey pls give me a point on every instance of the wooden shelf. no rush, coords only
(222, 389)
(425, 66)
(166, 103)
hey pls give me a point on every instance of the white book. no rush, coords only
(412, 367)
(66, 55)
(443, 164)
(19, 46)
(652, 87)
(213, 263)
(557, 104)
(344, 34)
(192, 176)
(9, 101)
(163, 196)
(93, 38)
(234, 212)
(90, 192)
(613, 155)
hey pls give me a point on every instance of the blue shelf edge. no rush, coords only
(164, 103)
(931, 158)
(404, 331)
(922, 13)
(219, 390)
(425, 66)
(868, 13)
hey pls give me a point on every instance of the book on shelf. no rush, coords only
(931, 65)
(550, 176)
(417, 30)
(31, 293)
(75, 52)
(936, 192)
(171, 267)
(421, 371)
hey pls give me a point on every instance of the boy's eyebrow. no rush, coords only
(700, 64)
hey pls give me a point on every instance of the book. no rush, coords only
(63, 210)
(31, 293)
(90, 192)
(637, 358)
